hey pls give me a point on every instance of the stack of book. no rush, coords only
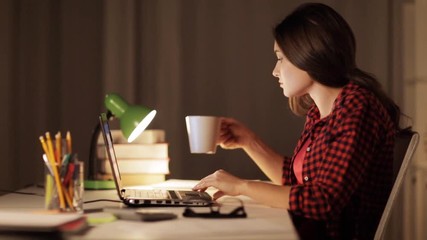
(144, 161)
(21, 224)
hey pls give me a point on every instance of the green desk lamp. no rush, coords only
(133, 121)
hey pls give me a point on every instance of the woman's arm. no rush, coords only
(235, 135)
(269, 161)
(266, 193)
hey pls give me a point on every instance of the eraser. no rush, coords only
(100, 217)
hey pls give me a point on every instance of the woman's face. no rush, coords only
(294, 81)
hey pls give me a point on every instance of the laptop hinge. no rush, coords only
(122, 193)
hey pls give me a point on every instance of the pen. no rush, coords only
(48, 193)
(69, 174)
(46, 162)
(64, 165)
(49, 183)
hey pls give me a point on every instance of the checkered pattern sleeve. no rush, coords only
(340, 155)
(287, 161)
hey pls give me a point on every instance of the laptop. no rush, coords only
(135, 197)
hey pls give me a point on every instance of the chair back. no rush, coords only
(405, 144)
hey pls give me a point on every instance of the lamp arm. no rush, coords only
(93, 160)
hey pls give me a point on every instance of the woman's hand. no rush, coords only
(226, 184)
(234, 134)
(274, 195)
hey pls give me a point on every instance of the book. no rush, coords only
(137, 179)
(145, 161)
(134, 166)
(40, 224)
(148, 136)
(137, 150)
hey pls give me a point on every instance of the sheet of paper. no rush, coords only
(34, 220)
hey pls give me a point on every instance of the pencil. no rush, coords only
(44, 146)
(51, 159)
(58, 147)
(68, 138)
(67, 198)
(50, 146)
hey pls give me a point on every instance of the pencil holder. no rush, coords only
(64, 184)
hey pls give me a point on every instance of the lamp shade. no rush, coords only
(133, 119)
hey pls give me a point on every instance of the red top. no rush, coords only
(299, 161)
(347, 173)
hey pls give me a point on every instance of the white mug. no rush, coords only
(203, 133)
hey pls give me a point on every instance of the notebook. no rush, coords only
(145, 197)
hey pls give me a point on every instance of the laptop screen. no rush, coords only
(108, 141)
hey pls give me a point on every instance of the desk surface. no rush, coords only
(262, 222)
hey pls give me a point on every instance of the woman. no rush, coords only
(341, 169)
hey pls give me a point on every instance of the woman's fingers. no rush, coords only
(226, 183)
(203, 184)
(206, 182)
(217, 195)
(200, 187)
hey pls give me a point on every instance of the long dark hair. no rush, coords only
(316, 39)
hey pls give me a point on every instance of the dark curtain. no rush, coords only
(214, 57)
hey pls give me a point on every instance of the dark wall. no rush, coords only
(59, 57)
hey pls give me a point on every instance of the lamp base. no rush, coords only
(99, 184)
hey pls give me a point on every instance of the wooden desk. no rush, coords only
(262, 222)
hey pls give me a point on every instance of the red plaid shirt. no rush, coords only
(347, 169)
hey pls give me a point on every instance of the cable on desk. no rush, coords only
(42, 195)
(102, 200)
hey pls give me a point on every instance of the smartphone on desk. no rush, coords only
(146, 215)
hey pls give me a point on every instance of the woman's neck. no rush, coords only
(324, 98)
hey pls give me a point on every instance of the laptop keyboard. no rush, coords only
(147, 194)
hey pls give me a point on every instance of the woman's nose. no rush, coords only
(275, 73)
